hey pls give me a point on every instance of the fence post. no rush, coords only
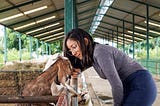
(74, 100)
(157, 70)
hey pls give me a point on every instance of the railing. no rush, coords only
(153, 66)
(64, 99)
(28, 99)
(15, 79)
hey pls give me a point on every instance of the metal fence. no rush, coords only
(12, 83)
(153, 66)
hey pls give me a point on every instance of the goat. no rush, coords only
(45, 83)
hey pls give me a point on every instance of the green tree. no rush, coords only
(12, 40)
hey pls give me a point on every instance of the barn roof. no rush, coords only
(44, 19)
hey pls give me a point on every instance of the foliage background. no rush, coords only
(13, 47)
(13, 52)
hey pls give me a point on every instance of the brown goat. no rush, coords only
(41, 86)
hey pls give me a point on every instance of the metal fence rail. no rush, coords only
(62, 100)
(12, 83)
(28, 99)
(153, 66)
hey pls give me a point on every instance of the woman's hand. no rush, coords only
(75, 73)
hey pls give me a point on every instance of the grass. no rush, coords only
(14, 55)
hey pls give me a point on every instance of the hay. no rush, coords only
(8, 91)
(7, 104)
(8, 83)
(7, 75)
(27, 75)
(15, 80)
(14, 75)
(23, 65)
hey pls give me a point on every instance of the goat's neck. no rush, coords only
(50, 74)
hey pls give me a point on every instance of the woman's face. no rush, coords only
(74, 48)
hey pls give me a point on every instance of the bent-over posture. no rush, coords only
(132, 84)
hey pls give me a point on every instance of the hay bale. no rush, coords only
(8, 91)
(16, 74)
(23, 65)
(8, 83)
(27, 75)
(7, 75)
(7, 104)
(15, 80)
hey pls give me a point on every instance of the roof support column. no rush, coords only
(147, 32)
(30, 46)
(112, 37)
(139, 47)
(49, 49)
(46, 48)
(133, 19)
(157, 47)
(5, 45)
(43, 48)
(20, 47)
(108, 38)
(123, 38)
(37, 46)
(117, 36)
(70, 22)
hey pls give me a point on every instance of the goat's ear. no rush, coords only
(70, 68)
(60, 72)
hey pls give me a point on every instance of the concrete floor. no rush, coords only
(103, 89)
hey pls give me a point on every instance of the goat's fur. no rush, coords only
(42, 84)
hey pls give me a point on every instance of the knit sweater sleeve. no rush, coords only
(106, 63)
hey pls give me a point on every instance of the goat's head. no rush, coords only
(64, 69)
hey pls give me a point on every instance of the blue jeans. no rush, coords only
(139, 89)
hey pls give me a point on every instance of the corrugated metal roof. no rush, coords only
(33, 24)
(120, 14)
(52, 12)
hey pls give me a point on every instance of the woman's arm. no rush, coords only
(106, 63)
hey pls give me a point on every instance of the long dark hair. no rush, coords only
(87, 50)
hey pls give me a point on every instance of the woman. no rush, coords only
(132, 84)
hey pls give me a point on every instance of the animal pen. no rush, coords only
(13, 81)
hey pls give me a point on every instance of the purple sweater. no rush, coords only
(114, 65)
